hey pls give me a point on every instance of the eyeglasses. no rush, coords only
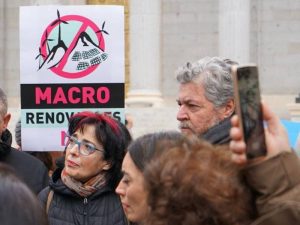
(85, 148)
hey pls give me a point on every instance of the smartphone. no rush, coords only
(249, 109)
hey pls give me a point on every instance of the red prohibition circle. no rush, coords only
(85, 23)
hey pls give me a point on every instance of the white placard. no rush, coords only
(71, 60)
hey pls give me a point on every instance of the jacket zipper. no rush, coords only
(85, 202)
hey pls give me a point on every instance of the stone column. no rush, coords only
(145, 55)
(234, 30)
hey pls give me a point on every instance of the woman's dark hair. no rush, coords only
(145, 147)
(196, 183)
(108, 132)
(18, 203)
(125, 134)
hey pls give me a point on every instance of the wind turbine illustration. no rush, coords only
(47, 41)
(39, 56)
(59, 48)
(59, 21)
(102, 31)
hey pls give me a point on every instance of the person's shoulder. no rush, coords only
(30, 169)
(43, 194)
(23, 156)
(20, 159)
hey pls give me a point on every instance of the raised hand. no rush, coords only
(275, 134)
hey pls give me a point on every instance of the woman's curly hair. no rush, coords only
(195, 183)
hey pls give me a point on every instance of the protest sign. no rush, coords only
(71, 60)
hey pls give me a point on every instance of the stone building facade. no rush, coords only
(164, 34)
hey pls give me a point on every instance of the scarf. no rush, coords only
(83, 189)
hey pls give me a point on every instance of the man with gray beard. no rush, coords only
(206, 99)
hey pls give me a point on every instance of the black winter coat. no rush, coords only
(30, 169)
(67, 207)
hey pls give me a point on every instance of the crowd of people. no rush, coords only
(198, 175)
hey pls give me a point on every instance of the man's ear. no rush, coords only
(6, 119)
(229, 109)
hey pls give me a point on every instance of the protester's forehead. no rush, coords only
(191, 91)
(129, 167)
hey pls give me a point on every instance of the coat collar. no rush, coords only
(218, 134)
(5, 143)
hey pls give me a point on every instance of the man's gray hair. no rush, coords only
(3, 103)
(214, 74)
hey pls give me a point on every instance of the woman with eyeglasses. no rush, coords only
(82, 192)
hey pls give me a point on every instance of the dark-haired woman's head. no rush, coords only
(140, 153)
(19, 204)
(96, 145)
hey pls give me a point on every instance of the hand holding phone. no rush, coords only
(249, 110)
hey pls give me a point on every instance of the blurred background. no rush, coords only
(164, 34)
